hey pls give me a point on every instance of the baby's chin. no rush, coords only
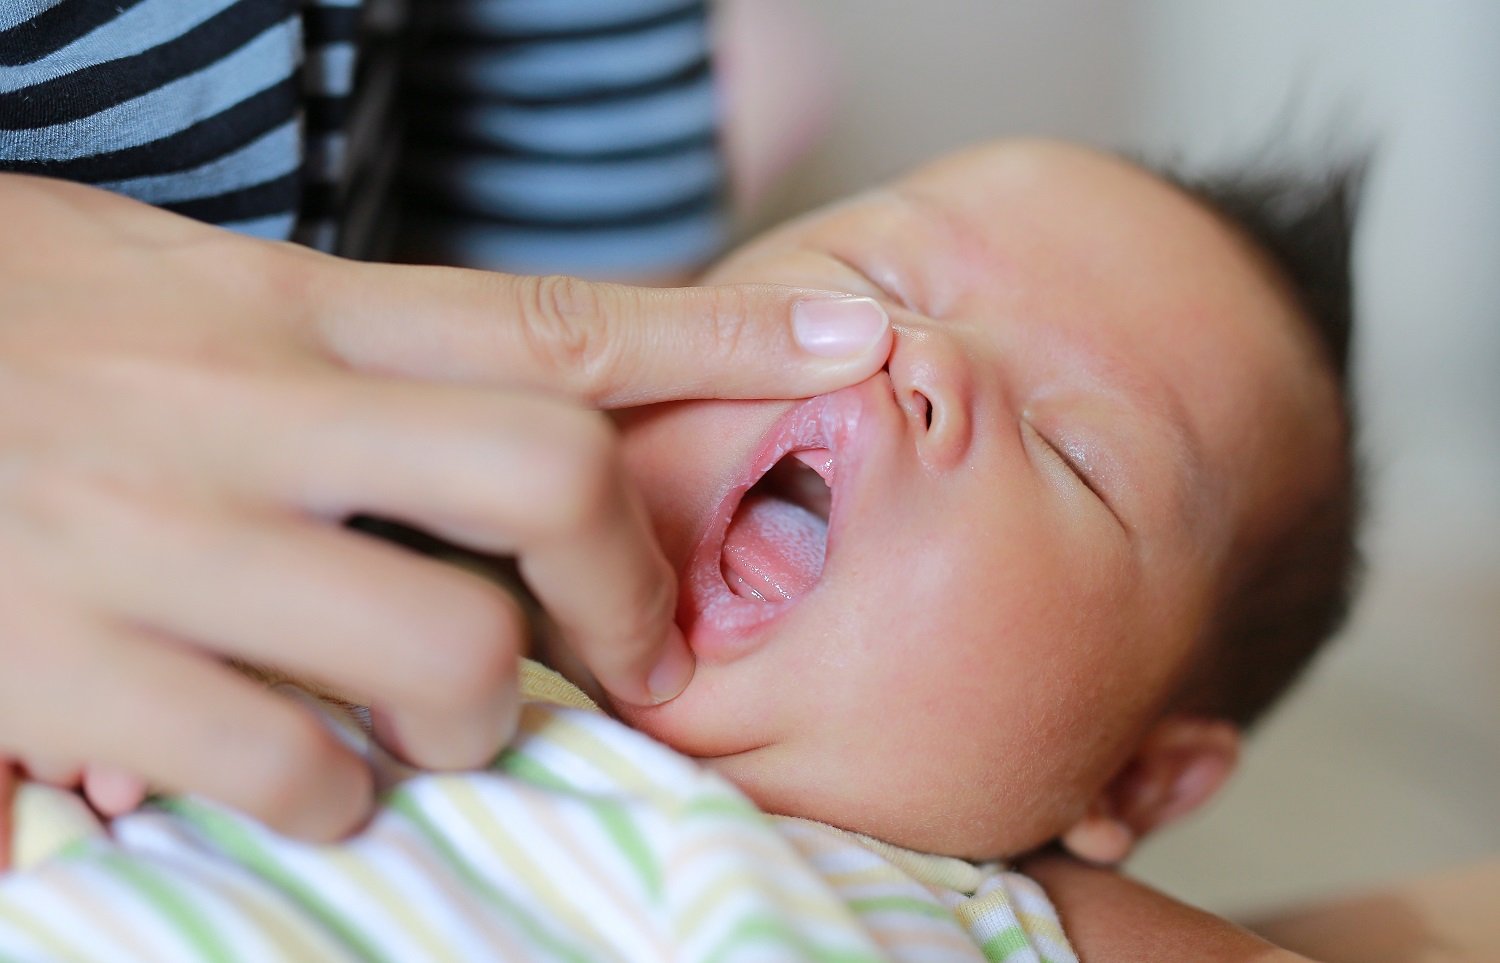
(782, 783)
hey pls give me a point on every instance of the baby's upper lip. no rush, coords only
(801, 429)
(831, 422)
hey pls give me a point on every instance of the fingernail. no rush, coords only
(838, 327)
(673, 673)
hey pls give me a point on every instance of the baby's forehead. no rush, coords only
(1031, 166)
(1064, 197)
(1050, 230)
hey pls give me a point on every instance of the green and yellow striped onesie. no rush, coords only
(585, 842)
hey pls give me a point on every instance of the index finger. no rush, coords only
(609, 345)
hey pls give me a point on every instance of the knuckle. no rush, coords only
(560, 315)
(473, 653)
(578, 483)
(58, 506)
(289, 273)
(279, 767)
(38, 496)
(568, 327)
(30, 652)
(729, 319)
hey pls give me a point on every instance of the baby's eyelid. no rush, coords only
(1070, 462)
(1052, 450)
(879, 290)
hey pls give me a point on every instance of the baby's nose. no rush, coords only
(934, 386)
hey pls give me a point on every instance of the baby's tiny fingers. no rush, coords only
(113, 792)
(185, 722)
(62, 773)
(199, 727)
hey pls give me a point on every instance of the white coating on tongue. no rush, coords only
(774, 548)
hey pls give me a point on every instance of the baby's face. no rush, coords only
(1097, 395)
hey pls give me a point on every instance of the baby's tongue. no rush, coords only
(774, 548)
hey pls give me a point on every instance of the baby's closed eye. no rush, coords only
(1072, 459)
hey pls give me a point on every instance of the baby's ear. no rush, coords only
(1181, 764)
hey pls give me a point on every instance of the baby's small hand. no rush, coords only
(112, 792)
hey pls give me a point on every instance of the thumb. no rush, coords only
(608, 345)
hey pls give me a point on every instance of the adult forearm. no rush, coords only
(1110, 918)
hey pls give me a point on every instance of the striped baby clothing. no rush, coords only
(529, 135)
(586, 842)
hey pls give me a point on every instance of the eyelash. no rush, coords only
(1068, 463)
(1054, 450)
(1074, 469)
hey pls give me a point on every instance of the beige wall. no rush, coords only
(1388, 760)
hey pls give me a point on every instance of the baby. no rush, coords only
(1092, 518)
(1031, 581)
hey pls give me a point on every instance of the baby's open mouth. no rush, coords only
(774, 536)
(778, 535)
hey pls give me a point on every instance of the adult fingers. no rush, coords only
(609, 345)
(520, 474)
(432, 645)
(186, 723)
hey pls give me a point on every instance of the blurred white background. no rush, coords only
(1387, 761)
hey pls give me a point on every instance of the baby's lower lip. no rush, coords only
(720, 625)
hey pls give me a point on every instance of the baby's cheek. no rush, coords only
(980, 711)
(720, 713)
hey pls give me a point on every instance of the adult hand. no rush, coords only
(186, 418)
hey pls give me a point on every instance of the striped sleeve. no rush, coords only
(577, 137)
(191, 105)
(587, 843)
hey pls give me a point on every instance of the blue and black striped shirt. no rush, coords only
(532, 135)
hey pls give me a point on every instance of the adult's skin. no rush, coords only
(186, 418)
(1110, 918)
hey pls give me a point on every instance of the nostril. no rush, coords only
(920, 406)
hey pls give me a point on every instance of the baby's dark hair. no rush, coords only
(1293, 592)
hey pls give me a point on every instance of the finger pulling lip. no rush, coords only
(719, 624)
